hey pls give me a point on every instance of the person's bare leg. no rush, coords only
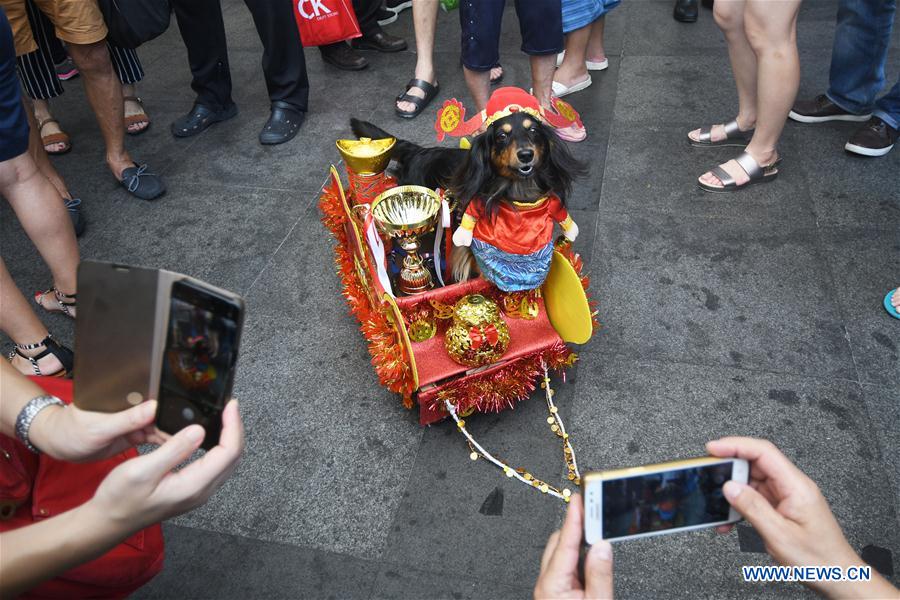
(43, 216)
(542, 69)
(479, 83)
(104, 92)
(41, 114)
(40, 157)
(729, 16)
(595, 50)
(573, 68)
(771, 28)
(425, 21)
(19, 322)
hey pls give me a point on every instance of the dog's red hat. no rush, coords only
(503, 102)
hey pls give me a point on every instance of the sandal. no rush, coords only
(733, 137)
(51, 347)
(66, 301)
(756, 172)
(54, 138)
(141, 117)
(420, 103)
(889, 305)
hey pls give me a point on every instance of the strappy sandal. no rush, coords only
(54, 138)
(141, 117)
(66, 301)
(733, 137)
(496, 80)
(756, 172)
(51, 347)
(420, 103)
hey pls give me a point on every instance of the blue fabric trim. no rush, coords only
(512, 272)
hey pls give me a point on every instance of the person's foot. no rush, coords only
(686, 11)
(54, 139)
(496, 74)
(736, 171)
(199, 118)
(379, 41)
(141, 182)
(405, 106)
(54, 301)
(136, 119)
(820, 110)
(875, 138)
(46, 365)
(342, 56)
(283, 124)
(717, 133)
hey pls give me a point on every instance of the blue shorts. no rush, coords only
(540, 22)
(13, 123)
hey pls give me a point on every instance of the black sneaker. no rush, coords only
(875, 138)
(820, 110)
(386, 17)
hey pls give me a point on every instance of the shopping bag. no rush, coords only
(325, 21)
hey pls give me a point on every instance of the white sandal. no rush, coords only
(591, 65)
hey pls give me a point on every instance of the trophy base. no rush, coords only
(417, 282)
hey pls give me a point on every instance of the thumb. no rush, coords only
(114, 425)
(755, 508)
(598, 571)
(175, 451)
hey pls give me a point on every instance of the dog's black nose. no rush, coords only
(525, 156)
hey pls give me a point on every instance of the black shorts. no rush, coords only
(13, 123)
(540, 22)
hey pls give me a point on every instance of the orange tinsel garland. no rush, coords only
(501, 389)
(389, 357)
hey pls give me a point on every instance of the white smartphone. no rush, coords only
(663, 498)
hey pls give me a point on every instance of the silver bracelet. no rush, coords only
(27, 415)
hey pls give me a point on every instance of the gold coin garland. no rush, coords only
(556, 426)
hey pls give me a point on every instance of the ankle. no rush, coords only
(426, 74)
(764, 157)
(746, 122)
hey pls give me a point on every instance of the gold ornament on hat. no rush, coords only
(478, 335)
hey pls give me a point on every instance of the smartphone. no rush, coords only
(663, 498)
(198, 359)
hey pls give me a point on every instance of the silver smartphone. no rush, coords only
(661, 498)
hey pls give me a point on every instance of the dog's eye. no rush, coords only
(532, 129)
(502, 136)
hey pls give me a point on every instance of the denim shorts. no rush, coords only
(13, 123)
(540, 22)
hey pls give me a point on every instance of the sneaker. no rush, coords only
(386, 17)
(821, 109)
(875, 138)
(397, 6)
(66, 70)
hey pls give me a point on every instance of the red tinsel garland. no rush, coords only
(389, 356)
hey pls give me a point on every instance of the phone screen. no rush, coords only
(665, 500)
(198, 360)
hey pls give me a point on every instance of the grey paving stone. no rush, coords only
(205, 564)
(863, 265)
(718, 292)
(884, 413)
(398, 582)
(629, 412)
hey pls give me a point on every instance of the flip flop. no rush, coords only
(733, 137)
(141, 117)
(430, 92)
(54, 138)
(890, 307)
(756, 172)
(560, 89)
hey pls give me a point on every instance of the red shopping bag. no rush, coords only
(325, 21)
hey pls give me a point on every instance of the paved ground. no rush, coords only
(753, 314)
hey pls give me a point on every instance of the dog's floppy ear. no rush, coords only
(475, 172)
(559, 168)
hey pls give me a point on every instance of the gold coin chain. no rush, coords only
(556, 426)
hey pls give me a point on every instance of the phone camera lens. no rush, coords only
(187, 413)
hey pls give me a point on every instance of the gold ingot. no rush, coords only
(365, 155)
(474, 456)
(478, 335)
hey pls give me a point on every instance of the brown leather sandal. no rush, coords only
(137, 119)
(54, 138)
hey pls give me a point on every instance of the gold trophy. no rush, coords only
(366, 161)
(405, 213)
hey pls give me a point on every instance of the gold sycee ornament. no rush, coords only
(478, 335)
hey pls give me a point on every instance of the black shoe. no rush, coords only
(343, 57)
(820, 109)
(686, 11)
(380, 41)
(283, 124)
(875, 138)
(73, 206)
(386, 17)
(141, 183)
(200, 118)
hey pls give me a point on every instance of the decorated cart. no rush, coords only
(446, 348)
